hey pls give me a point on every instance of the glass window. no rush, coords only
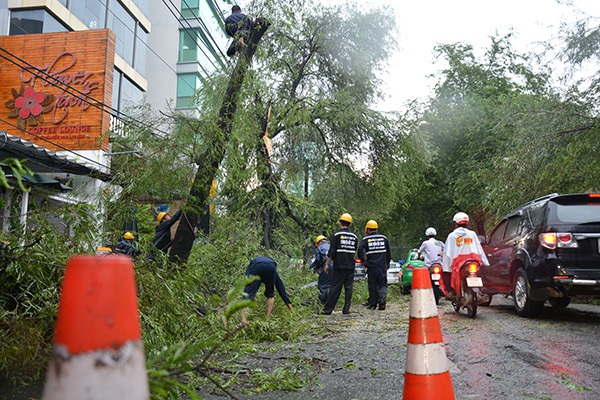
(588, 213)
(496, 236)
(91, 12)
(512, 227)
(123, 25)
(190, 8)
(187, 84)
(188, 45)
(116, 90)
(34, 21)
(143, 5)
(140, 50)
(130, 94)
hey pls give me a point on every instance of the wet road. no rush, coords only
(555, 356)
(497, 355)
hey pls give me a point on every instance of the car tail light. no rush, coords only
(594, 195)
(472, 267)
(552, 240)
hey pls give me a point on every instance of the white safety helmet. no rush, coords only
(461, 218)
(430, 232)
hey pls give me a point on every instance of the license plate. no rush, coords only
(474, 281)
(435, 277)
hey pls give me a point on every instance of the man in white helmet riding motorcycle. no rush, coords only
(461, 245)
(431, 250)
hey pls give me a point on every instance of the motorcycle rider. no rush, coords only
(431, 250)
(374, 250)
(462, 245)
(318, 265)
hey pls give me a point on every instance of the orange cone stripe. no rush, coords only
(426, 359)
(422, 304)
(427, 387)
(421, 279)
(98, 305)
(424, 331)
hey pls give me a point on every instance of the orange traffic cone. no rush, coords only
(98, 351)
(427, 375)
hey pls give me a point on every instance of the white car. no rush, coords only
(392, 273)
(360, 272)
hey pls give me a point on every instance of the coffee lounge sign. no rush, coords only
(56, 88)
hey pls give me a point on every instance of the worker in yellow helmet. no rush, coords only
(341, 252)
(162, 231)
(374, 251)
(125, 245)
(318, 265)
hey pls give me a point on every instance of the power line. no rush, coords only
(68, 89)
(145, 44)
(100, 105)
(56, 144)
(203, 25)
(207, 75)
(193, 37)
(53, 81)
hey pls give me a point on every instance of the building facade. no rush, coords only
(163, 51)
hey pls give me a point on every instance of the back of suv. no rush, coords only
(546, 250)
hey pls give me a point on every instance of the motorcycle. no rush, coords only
(470, 286)
(435, 272)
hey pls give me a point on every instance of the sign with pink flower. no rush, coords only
(56, 88)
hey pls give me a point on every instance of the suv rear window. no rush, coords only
(583, 210)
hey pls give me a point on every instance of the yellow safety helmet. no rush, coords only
(346, 217)
(128, 235)
(319, 238)
(160, 216)
(371, 225)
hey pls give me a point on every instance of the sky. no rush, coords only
(424, 23)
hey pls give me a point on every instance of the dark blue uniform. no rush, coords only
(235, 22)
(266, 269)
(374, 250)
(318, 266)
(125, 247)
(162, 233)
(342, 252)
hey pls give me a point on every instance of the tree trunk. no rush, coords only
(209, 161)
(264, 172)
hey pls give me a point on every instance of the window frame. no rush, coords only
(183, 101)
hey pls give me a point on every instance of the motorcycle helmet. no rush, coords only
(461, 218)
(430, 232)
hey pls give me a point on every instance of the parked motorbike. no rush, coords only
(435, 271)
(470, 286)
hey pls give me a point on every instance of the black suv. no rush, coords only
(547, 249)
